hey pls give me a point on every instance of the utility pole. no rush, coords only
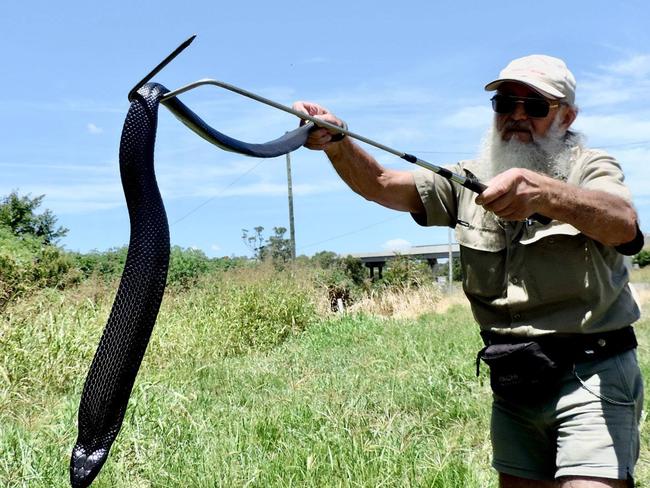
(451, 259)
(292, 230)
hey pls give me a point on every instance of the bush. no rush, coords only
(404, 272)
(325, 259)
(345, 279)
(107, 264)
(186, 265)
(26, 263)
(261, 314)
(642, 259)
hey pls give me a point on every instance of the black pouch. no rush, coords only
(521, 372)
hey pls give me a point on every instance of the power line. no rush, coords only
(349, 233)
(250, 170)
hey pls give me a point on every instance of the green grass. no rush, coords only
(349, 401)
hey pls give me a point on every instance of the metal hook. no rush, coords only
(160, 66)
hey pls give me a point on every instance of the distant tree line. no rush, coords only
(31, 258)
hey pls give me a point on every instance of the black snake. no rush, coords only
(126, 335)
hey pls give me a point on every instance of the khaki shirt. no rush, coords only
(531, 279)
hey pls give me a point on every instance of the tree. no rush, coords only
(17, 213)
(254, 242)
(325, 259)
(275, 247)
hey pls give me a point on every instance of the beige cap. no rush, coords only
(545, 74)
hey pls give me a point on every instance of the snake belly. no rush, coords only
(133, 315)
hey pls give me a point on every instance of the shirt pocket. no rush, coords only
(556, 264)
(483, 258)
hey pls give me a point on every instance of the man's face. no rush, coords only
(518, 124)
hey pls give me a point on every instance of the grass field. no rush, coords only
(350, 401)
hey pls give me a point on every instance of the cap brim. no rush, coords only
(543, 89)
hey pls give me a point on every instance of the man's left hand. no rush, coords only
(515, 194)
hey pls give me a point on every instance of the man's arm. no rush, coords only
(518, 193)
(362, 173)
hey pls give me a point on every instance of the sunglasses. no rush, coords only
(534, 107)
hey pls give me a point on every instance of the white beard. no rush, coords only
(550, 155)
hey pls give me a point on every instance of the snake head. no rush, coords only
(86, 466)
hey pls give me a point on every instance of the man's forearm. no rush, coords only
(602, 216)
(390, 188)
(356, 167)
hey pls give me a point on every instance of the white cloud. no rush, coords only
(637, 66)
(93, 129)
(626, 80)
(634, 161)
(396, 245)
(620, 128)
(79, 198)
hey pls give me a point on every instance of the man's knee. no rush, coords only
(509, 481)
(588, 482)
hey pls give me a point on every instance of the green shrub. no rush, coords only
(354, 269)
(325, 259)
(186, 265)
(405, 272)
(260, 314)
(106, 264)
(344, 279)
(26, 263)
(642, 259)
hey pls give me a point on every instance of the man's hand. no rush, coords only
(319, 138)
(515, 194)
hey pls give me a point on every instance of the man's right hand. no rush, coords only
(320, 138)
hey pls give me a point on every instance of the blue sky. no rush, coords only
(409, 74)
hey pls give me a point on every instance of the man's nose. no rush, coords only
(519, 113)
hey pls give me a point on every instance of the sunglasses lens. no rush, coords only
(502, 104)
(536, 108)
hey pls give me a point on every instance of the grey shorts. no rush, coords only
(590, 428)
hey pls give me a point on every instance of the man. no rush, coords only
(553, 300)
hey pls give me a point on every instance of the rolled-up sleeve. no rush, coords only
(438, 198)
(602, 172)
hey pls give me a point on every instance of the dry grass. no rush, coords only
(641, 275)
(408, 303)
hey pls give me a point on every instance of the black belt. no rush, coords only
(577, 347)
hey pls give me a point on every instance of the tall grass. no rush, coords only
(331, 400)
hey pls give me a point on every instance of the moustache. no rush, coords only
(516, 125)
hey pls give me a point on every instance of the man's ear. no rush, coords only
(569, 115)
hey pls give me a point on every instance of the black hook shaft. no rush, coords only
(160, 66)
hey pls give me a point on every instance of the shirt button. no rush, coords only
(515, 280)
(516, 316)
